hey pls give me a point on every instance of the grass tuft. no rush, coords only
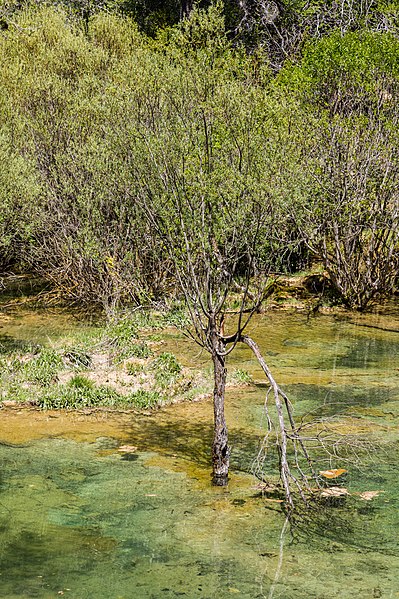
(167, 370)
(241, 377)
(80, 392)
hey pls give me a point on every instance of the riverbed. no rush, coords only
(82, 519)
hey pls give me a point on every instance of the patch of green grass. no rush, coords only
(177, 316)
(139, 350)
(156, 338)
(9, 366)
(121, 332)
(167, 370)
(26, 377)
(167, 362)
(131, 324)
(15, 392)
(30, 373)
(80, 392)
(123, 338)
(81, 382)
(145, 399)
(41, 369)
(10, 345)
(133, 369)
(241, 377)
(134, 349)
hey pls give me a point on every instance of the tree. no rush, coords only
(210, 213)
(202, 158)
(356, 203)
(350, 165)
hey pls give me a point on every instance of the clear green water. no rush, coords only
(77, 518)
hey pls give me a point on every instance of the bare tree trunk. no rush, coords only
(186, 8)
(220, 448)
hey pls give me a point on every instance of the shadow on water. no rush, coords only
(340, 525)
(192, 441)
(318, 400)
(368, 352)
(9, 345)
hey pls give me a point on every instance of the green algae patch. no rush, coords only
(102, 525)
(132, 526)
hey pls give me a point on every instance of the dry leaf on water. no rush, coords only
(333, 473)
(127, 448)
(334, 492)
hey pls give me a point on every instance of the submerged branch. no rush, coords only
(283, 434)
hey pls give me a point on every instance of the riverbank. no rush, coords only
(129, 362)
(58, 359)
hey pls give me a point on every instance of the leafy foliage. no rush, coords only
(109, 138)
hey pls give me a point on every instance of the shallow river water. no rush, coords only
(80, 520)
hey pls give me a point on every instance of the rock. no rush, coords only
(127, 448)
(10, 403)
(369, 495)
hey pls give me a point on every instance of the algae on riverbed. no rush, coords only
(80, 518)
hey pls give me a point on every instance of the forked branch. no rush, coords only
(285, 434)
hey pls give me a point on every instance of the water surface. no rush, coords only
(82, 520)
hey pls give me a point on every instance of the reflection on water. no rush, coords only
(81, 520)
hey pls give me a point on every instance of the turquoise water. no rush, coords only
(82, 520)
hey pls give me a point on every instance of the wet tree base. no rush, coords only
(220, 480)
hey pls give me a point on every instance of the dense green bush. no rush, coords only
(109, 138)
(353, 73)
